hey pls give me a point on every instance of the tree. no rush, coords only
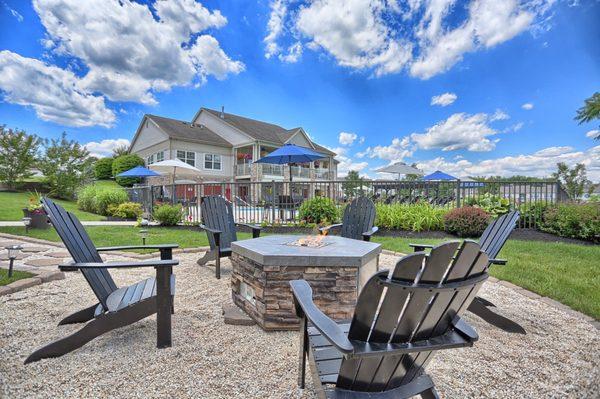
(120, 150)
(590, 110)
(352, 183)
(103, 168)
(573, 181)
(66, 165)
(124, 163)
(18, 152)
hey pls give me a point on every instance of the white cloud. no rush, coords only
(130, 54)
(346, 138)
(395, 152)
(428, 37)
(443, 100)
(539, 164)
(499, 115)
(105, 147)
(55, 94)
(459, 131)
(527, 106)
(354, 32)
(13, 12)
(346, 163)
(593, 134)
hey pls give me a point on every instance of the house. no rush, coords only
(224, 146)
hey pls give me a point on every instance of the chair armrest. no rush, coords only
(125, 247)
(367, 234)
(420, 247)
(460, 336)
(117, 265)
(325, 230)
(255, 228)
(329, 328)
(209, 230)
(500, 262)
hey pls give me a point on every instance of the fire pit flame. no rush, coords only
(315, 241)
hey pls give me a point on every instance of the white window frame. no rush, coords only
(212, 161)
(188, 156)
(150, 159)
(161, 155)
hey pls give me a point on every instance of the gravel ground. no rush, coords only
(557, 358)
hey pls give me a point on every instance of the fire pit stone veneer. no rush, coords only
(263, 267)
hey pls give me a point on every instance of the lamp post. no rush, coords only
(144, 235)
(27, 222)
(13, 252)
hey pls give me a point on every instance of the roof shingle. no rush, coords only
(190, 132)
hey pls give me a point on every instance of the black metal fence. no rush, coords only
(278, 201)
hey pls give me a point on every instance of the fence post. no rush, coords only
(458, 193)
(274, 192)
(151, 196)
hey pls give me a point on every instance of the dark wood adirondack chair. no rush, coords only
(400, 321)
(491, 241)
(116, 307)
(220, 227)
(358, 220)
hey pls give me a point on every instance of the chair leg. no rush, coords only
(484, 301)
(431, 393)
(98, 326)
(81, 316)
(218, 267)
(303, 352)
(208, 256)
(480, 309)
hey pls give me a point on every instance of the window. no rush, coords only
(150, 160)
(188, 157)
(212, 161)
(160, 156)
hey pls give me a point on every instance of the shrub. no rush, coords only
(412, 217)
(468, 221)
(492, 204)
(318, 210)
(126, 210)
(103, 168)
(532, 212)
(124, 163)
(573, 220)
(96, 199)
(168, 215)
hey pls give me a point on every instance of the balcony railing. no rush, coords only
(272, 169)
(243, 169)
(299, 171)
(323, 174)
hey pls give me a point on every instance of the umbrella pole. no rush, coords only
(290, 166)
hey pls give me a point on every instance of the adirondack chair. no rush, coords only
(220, 227)
(357, 222)
(491, 241)
(382, 353)
(116, 307)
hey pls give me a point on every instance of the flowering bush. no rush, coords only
(34, 203)
(468, 221)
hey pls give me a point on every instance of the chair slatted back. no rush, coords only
(393, 314)
(359, 217)
(81, 248)
(495, 235)
(217, 213)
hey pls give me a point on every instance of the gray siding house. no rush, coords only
(224, 146)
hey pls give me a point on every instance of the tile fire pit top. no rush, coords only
(276, 251)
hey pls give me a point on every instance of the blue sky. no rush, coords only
(479, 87)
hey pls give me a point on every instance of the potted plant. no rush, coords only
(35, 211)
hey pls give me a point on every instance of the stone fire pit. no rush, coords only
(263, 267)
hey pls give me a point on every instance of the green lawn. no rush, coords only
(17, 275)
(13, 203)
(567, 273)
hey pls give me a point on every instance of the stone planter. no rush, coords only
(39, 220)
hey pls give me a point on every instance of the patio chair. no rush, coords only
(491, 241)
(400, 321)
(116, 307)
(357, 222)
(220, 227)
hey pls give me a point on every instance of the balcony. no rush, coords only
(272, 169)
(299, 171)
(243, 169)
(323, 174)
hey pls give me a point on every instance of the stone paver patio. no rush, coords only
(559, 357)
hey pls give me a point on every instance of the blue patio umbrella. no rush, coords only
(289, 154)
(439, 175)
(138, 171)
